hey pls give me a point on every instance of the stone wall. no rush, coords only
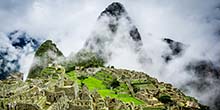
(54, 96)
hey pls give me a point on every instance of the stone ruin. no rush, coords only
(61, 93)
(50, 94)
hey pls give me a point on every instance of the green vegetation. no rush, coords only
(136, 89)
(138, 82)
(72, 75)
(82, 77)
(122, 97)
(87, 59)
(162, 88)
(149, 86)
(35, 71)
(122, 88)
(45, 47)
(165, 99)
(46, 54)
(105, 78)
(94, 83)
(114, 83)
(107, 93)
(48, 71)
(128, 98)
(84, 59)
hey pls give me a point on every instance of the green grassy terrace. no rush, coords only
(101, 83)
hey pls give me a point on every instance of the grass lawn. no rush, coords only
(72, 75)
(107, 93)
(122, 97)
(128, 98)
(95, 84)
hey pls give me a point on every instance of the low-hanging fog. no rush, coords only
(69, 23)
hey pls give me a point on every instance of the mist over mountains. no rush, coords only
(15, 46)
(175, 42)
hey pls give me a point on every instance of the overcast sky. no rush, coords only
(72, 20)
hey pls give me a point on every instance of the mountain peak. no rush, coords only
(115, 9)
(177, 49)
(48, 45)
(46, 54)
(114, 26)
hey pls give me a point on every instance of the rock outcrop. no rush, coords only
(177, 49)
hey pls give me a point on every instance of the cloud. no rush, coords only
(69, 23)
(16, 52)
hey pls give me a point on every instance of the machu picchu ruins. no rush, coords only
(95, 88)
